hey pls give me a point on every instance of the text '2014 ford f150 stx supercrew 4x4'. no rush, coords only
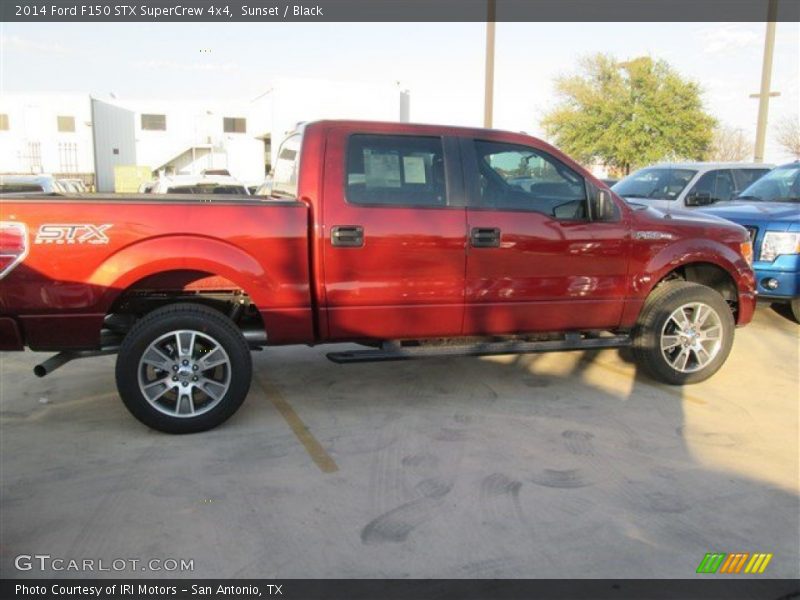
(413, 240)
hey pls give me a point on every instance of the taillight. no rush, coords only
(13, 245)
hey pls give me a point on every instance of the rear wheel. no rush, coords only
(183, 368)
(684, 334)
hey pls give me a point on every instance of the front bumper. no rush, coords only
(783, 274)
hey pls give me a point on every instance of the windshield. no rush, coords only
(658, 183)
(779, 185)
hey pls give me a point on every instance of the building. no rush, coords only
(78, 135)
(47, 133)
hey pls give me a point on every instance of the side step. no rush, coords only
(395, 351)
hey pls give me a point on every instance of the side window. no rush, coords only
(717, 184)
(284, 178)
(395, 170)
(745, 177)
(521, 178)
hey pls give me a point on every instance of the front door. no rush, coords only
(535, 261)
(394, 237)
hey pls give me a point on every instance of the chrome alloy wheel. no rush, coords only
(692, 337)
(184, 373)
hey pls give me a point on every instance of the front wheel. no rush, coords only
(183, 368)
(795, 306)
(684, 334)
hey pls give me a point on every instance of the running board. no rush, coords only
(394, 351)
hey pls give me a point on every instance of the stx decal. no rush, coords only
(72, 233)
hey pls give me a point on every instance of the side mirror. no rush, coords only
(699, 199)
(602, 206)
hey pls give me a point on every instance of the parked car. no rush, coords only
(204, 184)
(671, 186)
(31, 184)
(410, 239)
(770, 210)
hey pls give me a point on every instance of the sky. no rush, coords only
(441, 64)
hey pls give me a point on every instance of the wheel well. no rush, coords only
(709, 275)
(161, 289)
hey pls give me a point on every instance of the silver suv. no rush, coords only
(689, 184)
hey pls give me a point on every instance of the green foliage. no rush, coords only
(629, 114)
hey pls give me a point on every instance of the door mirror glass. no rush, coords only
(602, 206)
(699, 199)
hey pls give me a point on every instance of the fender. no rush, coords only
(650, 270)
(688, 251)
(182, 252)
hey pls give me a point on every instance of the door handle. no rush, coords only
(347, 236)
(485, 237)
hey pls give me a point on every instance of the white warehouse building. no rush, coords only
(46, 133)
(77, 135)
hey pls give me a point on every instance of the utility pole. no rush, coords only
(766, 80)
(488, 98)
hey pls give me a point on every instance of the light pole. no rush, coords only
(766, 79)
(488, 98)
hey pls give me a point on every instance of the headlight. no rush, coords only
(778, 242)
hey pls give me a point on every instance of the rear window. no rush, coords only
(207, 189)
(284, 175)
(395, 170)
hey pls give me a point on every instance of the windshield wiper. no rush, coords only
(747, 198)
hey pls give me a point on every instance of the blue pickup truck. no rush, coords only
(770, 210)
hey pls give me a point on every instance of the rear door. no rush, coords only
(535, 261)
(394, 235)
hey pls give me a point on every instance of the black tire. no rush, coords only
(794, 304)
(210, 327)
(656, 314)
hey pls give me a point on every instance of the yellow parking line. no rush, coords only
(315, 450)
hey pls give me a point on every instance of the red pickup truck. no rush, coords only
(413, 240)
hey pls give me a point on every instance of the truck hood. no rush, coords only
(679, 216)
(781, 216)
(702, 224)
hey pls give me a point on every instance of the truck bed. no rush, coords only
(87, 251)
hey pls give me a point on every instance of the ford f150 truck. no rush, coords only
(413, 240)
(770, 210)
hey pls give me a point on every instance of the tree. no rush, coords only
(627, 114)
(729, 144)
(787, 134)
